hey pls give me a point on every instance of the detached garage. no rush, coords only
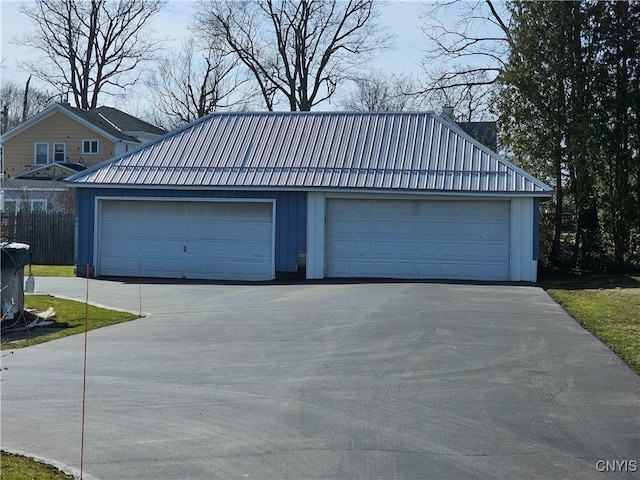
(248, 196)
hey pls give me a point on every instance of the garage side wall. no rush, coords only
(291, 214)
(524, 262)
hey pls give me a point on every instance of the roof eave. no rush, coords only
(324, 189)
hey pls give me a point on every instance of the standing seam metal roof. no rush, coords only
(381, 151)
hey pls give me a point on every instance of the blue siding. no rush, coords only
(291, 218)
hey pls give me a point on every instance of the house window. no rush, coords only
(90, 146)
(59, 152)
(10, 206)
(38, 205)
(41, 153)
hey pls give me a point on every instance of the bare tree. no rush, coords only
(88, 47)
(196, 81)
(297, 49)
(469, 98)
(380, 92)
(18, 103)
(469, 43)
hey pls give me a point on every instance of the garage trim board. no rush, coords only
(212, 239)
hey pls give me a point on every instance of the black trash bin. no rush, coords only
(12, 261)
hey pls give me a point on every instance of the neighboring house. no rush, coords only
(60, 141)
(244, 196)
(40, 189)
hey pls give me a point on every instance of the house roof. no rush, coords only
(16, 184)
(485, 132)
(107, 121)
(123, 121)
(66, 167)
(326, 150)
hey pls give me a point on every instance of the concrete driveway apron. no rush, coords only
(345, 381)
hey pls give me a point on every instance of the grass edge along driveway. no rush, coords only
(69, 319)
(18, 467)
(607, 306)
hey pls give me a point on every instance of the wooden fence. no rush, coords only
(50, 235)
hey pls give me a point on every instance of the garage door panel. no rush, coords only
(362, 226)
(473, 271)
(473, 250)
(494, 272)
(360, 247)
(417, 239)
(185, 239)
(450, 249)
(428, 229)
(364, 268)
(428, 270)
(497, 229)
(406, 269)
(474, 230)
(451, 270)
(428, 249)
(494, 251)
(383, 269)
(408, 248)
(385, 227)
(384, 248)
(449, 229)
(407, 227)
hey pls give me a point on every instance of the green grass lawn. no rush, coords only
(606, 305)
(69, 319)
(50, 270)
(17, 467)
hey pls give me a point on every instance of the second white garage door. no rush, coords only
(417, 239)
(184, 239)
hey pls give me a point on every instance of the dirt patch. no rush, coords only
(28, 325)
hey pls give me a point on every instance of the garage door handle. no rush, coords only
(184, 249)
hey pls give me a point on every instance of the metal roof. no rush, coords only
(327, 150)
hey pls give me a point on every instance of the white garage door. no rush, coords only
(417, 239)
(180, 239)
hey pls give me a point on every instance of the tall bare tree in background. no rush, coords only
(195, 81)
(296, 50)
(89, 47)
(381, 92)
(466, 49)
(18, 103)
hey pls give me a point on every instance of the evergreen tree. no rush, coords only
(569, 110)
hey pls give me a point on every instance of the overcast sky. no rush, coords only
(401, 17)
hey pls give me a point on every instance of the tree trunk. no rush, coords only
(557, 222)
(25, 100)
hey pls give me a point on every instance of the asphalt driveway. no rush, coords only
(322, 381)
